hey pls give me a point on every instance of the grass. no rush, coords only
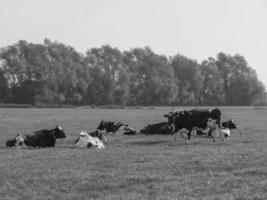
(132, 167)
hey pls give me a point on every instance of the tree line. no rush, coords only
(54, 73)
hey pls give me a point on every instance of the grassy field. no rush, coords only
(132, 167)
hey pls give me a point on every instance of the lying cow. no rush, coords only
(109, 127)
(129, 131)
(158, 128)
(229, 124)
(187, 120)
(42, 138)
(15, 142)
(99, 135)
(85, 140)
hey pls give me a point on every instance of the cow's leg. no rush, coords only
(216, 134)
(213, 134)
(222, 135)
(219, 122)
(176, 133)
(188, 136)
(194, 134)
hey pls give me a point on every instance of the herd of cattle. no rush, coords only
(188, 123)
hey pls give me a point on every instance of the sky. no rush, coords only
(194, 28)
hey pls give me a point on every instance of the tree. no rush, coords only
(241, 84)
(189, 80)
(212, 91)
(151, 78)
(5, 93)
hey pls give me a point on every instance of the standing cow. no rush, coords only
(187, 120)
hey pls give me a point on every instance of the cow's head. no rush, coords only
(83, 134)
(229, 124)
(171, 117)
(211, 123)
(59, 133)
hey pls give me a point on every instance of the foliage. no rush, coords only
(54, 73)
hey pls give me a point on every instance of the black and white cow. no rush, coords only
(44, 138)
(188, 120)
(229, 124)
(110, 127)
(157, 128)
(86, 140)
(99, 135)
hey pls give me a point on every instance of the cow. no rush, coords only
(129, 131)
(224, 132)
(44, 138)
(229, 124)
(85, 140)
(188, 120)
(110, 127)
(15, 142)
(98, 134)
(157, 128)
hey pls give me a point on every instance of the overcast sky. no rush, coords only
(195, 28)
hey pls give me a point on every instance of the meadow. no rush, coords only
(133, 167)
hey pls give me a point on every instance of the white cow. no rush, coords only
(86, 141)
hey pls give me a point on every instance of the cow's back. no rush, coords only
(197, 118)
(158, 128)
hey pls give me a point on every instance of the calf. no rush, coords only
(222, 133)
(85, 140)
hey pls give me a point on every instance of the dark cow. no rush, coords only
(109, 127)
(44, 138)
(129, 131)
(158, 128)
(192, 119)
